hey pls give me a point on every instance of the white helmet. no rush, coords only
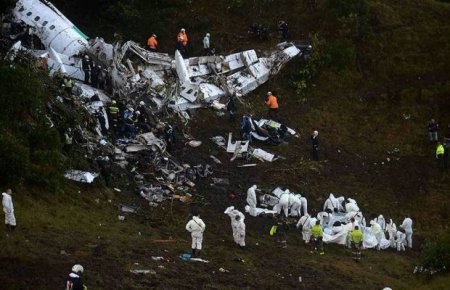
(183, 30)
(208, 35)
(142, 103)
(77, 268)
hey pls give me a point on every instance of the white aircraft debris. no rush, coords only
(167, 81)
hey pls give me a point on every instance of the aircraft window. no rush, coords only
(44, 23)
(21, 9)
(52, 27)
(29, 13)
(37, 18)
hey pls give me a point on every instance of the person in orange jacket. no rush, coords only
(182, 41)
(272, 103)
(152, 43)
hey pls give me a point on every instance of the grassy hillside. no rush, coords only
(374, 63)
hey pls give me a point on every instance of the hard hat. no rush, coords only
(154, 35)
(207, 34)
(183, 30)
(77, 268)
(114, 102)
(316, 132)
(86, 56)
(131, 110)
(142, 103)
(269, 93)
(138, 113)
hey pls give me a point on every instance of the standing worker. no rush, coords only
(8, 209)
(237, 225)
(152, 43)
(67, 84)
(283, 27)
(207, 44)
(86, 65)
(317, 236)
(231, 107)
(272, 103)
(305, 223)
(315, 145)
(183, 40)
(440, 151)
(407, 226)
(433, 127)
(356, 239)
(74, 281)
(196, 227)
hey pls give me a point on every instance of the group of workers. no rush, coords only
(442, 148)
(182, 43)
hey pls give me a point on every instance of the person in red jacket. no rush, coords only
(272, 103)
(152, 43)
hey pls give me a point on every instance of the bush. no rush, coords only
(350, 9)
(436, 255)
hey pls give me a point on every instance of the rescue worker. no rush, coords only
(8, 209)
(272, 103)
(67, 84)
(331, 203)
(317, 236)
(237, 225)
(325, 218)
(68, 140)
(283, 27)
(231, 108)
(95, 72)
(440, 151)
(282, 231)
(356, 239)
(86, 65)
(305, 224)
(152, 43)
(129, 129)
(113, 113)
(391, 229)
(196, 227)
(74, 282)
(433, 127)
(377, 231)
(407, 226)
(246, 128)
(447, 147)
(183, 40)
(400, 241)
(206, 44)
(101, 120)
(315, 145)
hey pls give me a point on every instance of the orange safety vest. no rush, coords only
(152, 43)
(272, 102)
(182, 36)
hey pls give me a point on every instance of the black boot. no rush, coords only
(193, 252)
(199, 252)
(12, 228)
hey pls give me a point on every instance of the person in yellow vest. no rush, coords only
(152, 43)
(67, 84)
(316, 237)
(440, 150)
(272, 103)
(356, 239)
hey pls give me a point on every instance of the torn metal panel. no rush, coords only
(264, 155)
(237, 146)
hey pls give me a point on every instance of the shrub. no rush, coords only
(436, 255)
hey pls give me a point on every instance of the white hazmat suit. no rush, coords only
(400, 241)
(331, 203)
(351, 205)
(305, 223)
(196, 227)
(237, 225)
(391, 229)
(295, 204)
(407, 226)
(8, 209)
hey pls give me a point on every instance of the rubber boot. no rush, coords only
(193, 252)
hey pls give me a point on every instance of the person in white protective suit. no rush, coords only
(251, 196)
(306, 223)
(381, 221)
(325, 217)
(237, 225)
(196, 227)
(341, 199)
(407, 226)
(391, 229)
(377, 231)
(331, 203)
(283, 205)
(400, 241)
(351, 205)
(304, 205)
(295, 204)
(8, 209)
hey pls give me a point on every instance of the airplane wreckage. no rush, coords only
(133, 71)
